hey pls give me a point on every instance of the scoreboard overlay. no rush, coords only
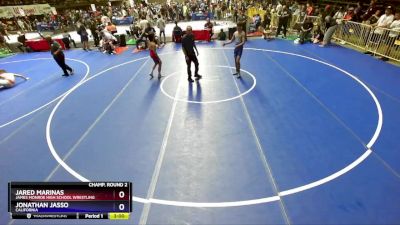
(69, 200)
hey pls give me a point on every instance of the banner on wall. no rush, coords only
(24, 10)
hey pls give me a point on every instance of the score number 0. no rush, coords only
(121, 206)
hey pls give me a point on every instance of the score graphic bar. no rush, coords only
(110, 216)
(81, 200)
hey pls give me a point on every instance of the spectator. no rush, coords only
(257, 21)
(331, 26)
(27, 24)
(305, 30)
(383, 22)
(95, 33)
(84, 37)
(3, 30)
(38, 25)
(222, 35)
(283, 21)
(111, 28)
(135, 31)
(177, 33)
(21, 24)
(143, 23)
(374, 18)
(295, 15)
(294, 8)
(395, 25)
(318, 35)
(123, 12)
(108, 42)
(302, 17)
(185, 11)
(150, 33)
(339, 15)
(268, 33)
(309, 9)
(235, 15)
(345, 26)
(67, 39)
(349, 16)
(267, 20)
(358, 12)
(242, 21)
(274, 17)
(218, 12)
(105, 20)
(279, 7)
(224, 9)
(209, 26)
(370, 11)
(22, 43)
(161, 26)
(393, 36)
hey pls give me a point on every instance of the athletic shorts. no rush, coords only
(238, 51)
(84, 38)
(156, 59)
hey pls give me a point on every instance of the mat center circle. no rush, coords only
(207, 85)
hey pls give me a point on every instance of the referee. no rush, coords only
(58, 55)
(188, 47)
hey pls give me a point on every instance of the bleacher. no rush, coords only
(54, 3)
(365, 3)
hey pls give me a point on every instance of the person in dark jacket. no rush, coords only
(67, 39)
(95, 33)
(283, 20)
(305, 30)
(177, 33)
(58, 55)
(188, 47)
(84, 37)
(22, 43)
(222, 35)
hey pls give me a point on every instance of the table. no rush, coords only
(202, 16)
(128, 20)
(202, 35)
(42, 44)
